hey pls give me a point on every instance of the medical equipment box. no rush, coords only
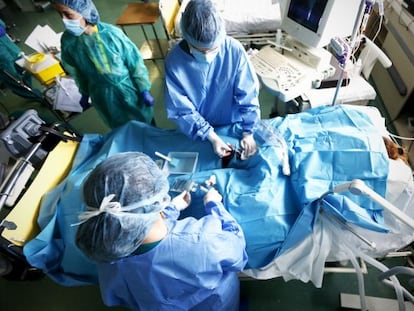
(44, 68)
(185, 163)
(18, 137)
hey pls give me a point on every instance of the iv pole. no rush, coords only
(363, 12)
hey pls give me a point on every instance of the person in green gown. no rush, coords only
(12, 75)
(106, 65)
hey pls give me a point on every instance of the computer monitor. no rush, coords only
(315, 22)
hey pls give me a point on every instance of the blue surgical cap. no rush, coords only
(124, 195)
(202, 25)
(86, 8)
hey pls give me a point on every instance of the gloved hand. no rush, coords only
(182, 201)
(84, 102)
(148, 99)
(2, 30)
(248, 146)
(212, 196)
(220, 148)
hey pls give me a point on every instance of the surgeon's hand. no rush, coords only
(219, 146)
(182, 201)
(248, 146)
(212, 196)
(148, 99)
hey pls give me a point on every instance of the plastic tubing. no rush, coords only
(398, 270)
(396, 284)
(406, 293)
(360, 278)
(269, 135)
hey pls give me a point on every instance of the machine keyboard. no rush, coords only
(269, 63)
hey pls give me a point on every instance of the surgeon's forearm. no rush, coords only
(191, 124)
(133, 60)
(141, 77)
(171, 212)
(249, 120)
(80, 80)
(228, 223)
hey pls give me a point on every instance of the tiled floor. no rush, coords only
(45, 295)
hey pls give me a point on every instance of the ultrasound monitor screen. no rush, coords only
(307, 12)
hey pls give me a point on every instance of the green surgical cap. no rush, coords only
(124, 195)
(86, 8)
(202, 25)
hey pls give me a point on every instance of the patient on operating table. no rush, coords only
(327, 146)
(395, 151)
(147, 259)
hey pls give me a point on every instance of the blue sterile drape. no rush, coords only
(326, 146)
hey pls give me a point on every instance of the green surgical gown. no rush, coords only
(11, 75)
(108, 67)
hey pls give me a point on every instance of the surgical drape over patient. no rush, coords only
(124, 195)
(327, 146)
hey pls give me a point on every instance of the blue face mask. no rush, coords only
(204, 57)
(74, 26)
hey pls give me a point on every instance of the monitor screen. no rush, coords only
(307, 13)
(315, 22)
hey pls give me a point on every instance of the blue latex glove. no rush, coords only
(148, 99)
(2, 30)
(84, 102)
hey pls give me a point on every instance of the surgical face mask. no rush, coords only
(204, 57)
(74, 26)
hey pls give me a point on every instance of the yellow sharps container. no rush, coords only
(44, 67)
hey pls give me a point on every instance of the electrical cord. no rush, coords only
(401, 137)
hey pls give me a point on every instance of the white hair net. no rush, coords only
(124, 195)
(202, 25)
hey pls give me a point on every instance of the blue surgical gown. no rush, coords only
(193, 268)
(108, 67)
(200, 96)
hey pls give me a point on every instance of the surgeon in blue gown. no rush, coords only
(106, 65)
(210, 81)
(146, 258)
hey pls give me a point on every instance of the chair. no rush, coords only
(169, 10)
(145, 14)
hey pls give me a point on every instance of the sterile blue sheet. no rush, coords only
(327, 146)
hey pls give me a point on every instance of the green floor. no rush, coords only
(45, 295)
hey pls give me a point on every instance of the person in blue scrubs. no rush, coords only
(106, 65)
(146, 258)
(210, 81)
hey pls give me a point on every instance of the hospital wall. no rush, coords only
(395, 85)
